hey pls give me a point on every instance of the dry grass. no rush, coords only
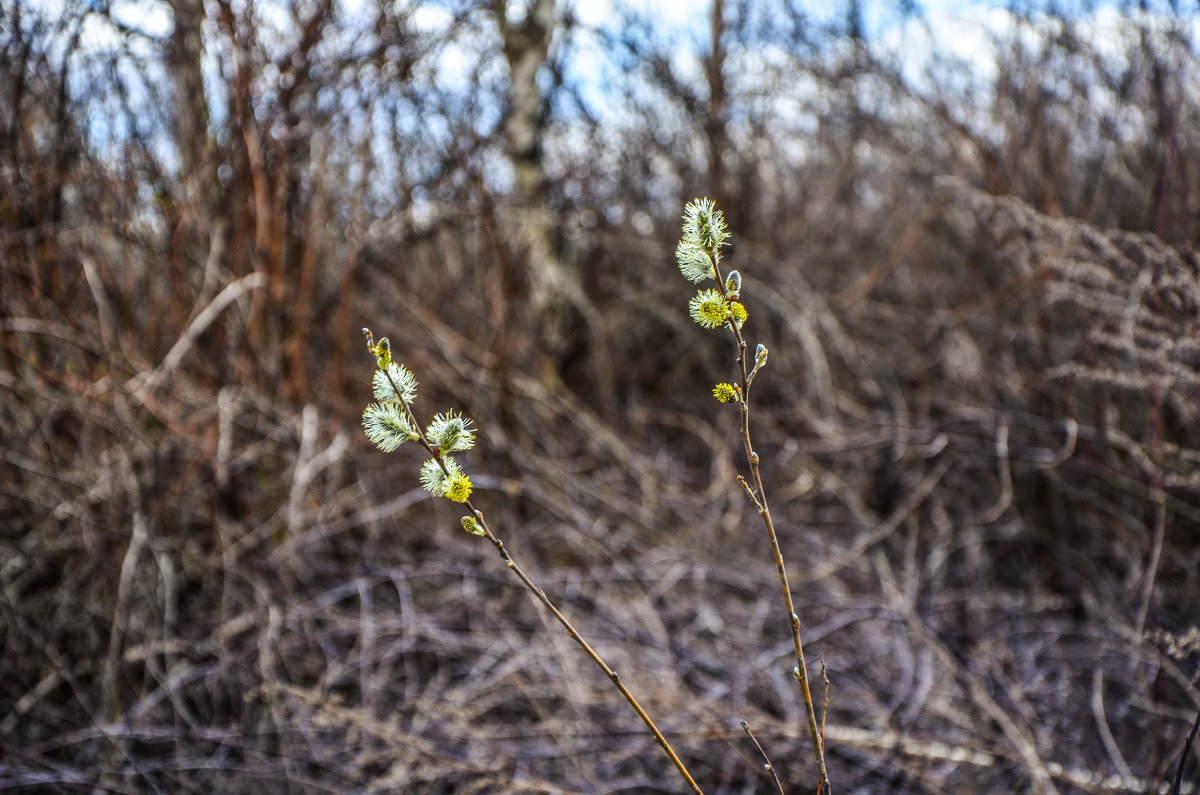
(978, 428)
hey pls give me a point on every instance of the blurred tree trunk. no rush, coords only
(183, 55)
(526, 47)
(188, 210)
(548, 291)
(714, 121)
(305, 206)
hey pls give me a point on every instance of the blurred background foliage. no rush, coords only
(967, 237)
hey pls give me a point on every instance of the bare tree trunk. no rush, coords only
(526, 46)
(525, 262)
(714, 122)
(184, 52)
(189, 120)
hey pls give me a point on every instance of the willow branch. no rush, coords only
(436, 455)
(759, 497)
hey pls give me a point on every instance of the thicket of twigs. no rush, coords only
(978, 423)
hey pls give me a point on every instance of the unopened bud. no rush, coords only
(733, 285)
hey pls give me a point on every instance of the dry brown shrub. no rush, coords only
(979, 425)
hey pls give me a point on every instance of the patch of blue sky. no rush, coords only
(113, 67)
(956, 52)
(961, 33)
(948, 46)
(598, 58)
(151, 18)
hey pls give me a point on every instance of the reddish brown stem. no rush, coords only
(573, 633)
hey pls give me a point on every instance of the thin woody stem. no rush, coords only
(572, 633)
(801, 670)
(766, 759)
(759, 497)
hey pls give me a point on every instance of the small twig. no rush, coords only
(572, 633)
(148, 382)
(825, 703)
(1177, 788)
(1156, 549)
(1106, 735)
(758, 496)
(767, 766)
(139, 537)
(800, 671)
(750, 493)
